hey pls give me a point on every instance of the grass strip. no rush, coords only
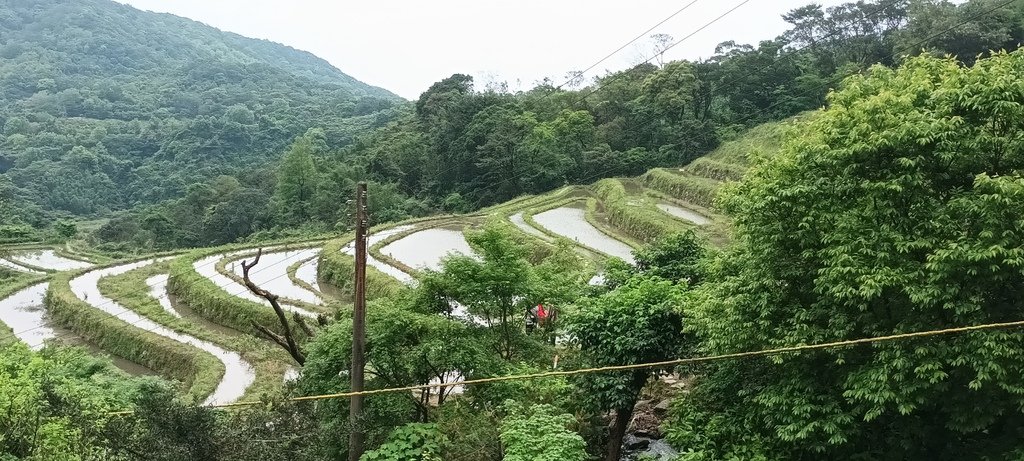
(268, 361)
(198, 372)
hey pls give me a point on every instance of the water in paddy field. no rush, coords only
(158, 290)
(388, 269)
(684, 213)
(521, 223)
(571, 223)
(18, 267)
(238, 374)
(271, 273)
(25, 313)
(426, 248)
(47, 259)
(307, 272)
(207, 267)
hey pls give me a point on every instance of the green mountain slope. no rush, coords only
(103, 106)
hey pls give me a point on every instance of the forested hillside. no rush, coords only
(811, 249)
(104, 107)
(183, 125)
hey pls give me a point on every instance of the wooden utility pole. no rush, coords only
(355, 438)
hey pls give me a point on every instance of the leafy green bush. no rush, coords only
(411, 442)
(540, 433)
(20, 233)
(56, 402)
(896, 209)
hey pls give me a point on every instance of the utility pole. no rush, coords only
(355, 437)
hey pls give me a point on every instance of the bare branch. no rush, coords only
(287, 341)
(271, 335)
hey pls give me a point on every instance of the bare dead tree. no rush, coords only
(287, 340)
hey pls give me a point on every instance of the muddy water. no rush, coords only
(684, 213)
(570, 223)
(388, 269)
(271, 273)
(238, 374)
(207, 267)
(25, 313)
(18, 267)
(521, 223)
(158, 290)
(426, 248)
(307, 273)
(48, 259)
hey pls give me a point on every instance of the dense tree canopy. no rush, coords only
(142, 113)
(894, 205)
(897, 209)
(104, 107)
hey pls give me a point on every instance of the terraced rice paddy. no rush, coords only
(18, 267)
(238, 374)
(375, 238)
(24, 312)
(207, 267)
(426, 248)
(680, 200)
(684, 213)
(48, 260)
(570, 222)
(272, 273)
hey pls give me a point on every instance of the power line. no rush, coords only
(640, 366)
(920, 43)
(927, 39)
(597, 87)
(638, 37)
(684, 8)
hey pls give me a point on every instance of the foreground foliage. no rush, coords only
(897, 209)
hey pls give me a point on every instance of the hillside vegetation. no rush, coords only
(104, 107)
(187, 133)
(690, 261)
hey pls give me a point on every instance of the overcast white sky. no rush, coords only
(405, 45)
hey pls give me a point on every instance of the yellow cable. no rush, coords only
(692, 360)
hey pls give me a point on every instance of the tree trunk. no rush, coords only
(287, 341)
(618, 432)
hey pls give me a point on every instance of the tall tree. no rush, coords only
(298, 178)
(897, 209)
(635, 323)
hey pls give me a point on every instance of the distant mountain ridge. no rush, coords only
(129, 107)
(177, 38)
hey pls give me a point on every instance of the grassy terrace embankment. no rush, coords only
(338, 269)
(198, 372)
(633, 215)
(211, 301)
(268, 361)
